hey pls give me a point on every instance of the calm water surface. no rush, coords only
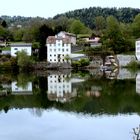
(83, 105)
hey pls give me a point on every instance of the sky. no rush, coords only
(50, 8)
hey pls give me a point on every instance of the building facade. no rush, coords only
(137, 48)
(71, 36)
(17, 47)
(58, 49)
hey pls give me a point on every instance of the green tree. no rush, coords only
(24, 61)
(44, 32)
(113, 38)
(77, 27)
(136, 26)
(18, 34)
(100, 24)
(4, 24)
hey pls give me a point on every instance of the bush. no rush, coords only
(24, 61)
(13, 61)
(81, 63)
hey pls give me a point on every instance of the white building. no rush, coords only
(71, 36)
(138, 83)
(19, 90)
(137, 52)
(60, 87)
(58, 49)
(17, 47)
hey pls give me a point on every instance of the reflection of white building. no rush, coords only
(95, 91)
(125, 74)
(19, 90)
(138, 83)
(137, 46)
(60, 87)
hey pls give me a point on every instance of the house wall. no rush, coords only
(57, 52)
(15, 49)
(64, 35)
(137, 52)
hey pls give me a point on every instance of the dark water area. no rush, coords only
(83, 105)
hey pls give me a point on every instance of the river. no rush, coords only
(72, 105)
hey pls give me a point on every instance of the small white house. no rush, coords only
(137, 52)
(72, 37)
(17, 47)
(58, 49)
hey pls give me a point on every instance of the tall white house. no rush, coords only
(17, 47)
(58, 49)
(137, 44)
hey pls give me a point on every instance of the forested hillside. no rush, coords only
(87, 15)
(20, 20)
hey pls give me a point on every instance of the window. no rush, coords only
(54, 59)
(63, 50)
(50, 55)
(58, 49)
(50, 50)
(15, 48)
(50, 59)
(67, 50)
(54, 54)
(54, 50)
(58, 44)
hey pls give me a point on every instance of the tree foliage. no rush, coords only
(24, 61)
(86, 15)
(77, 27)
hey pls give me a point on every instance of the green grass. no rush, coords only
(6, 49)
(83, 35)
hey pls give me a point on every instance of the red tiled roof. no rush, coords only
(52, 40)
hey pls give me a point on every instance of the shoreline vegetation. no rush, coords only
(117, 34)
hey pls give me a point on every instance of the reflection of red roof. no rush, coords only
(52, 40)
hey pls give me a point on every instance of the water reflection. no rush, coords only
(60, 87)
(89, 103)
(78, 91)
(21, 90)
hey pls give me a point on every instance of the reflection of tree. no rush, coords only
(136, 132)
(23, 79)
(36, 112)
